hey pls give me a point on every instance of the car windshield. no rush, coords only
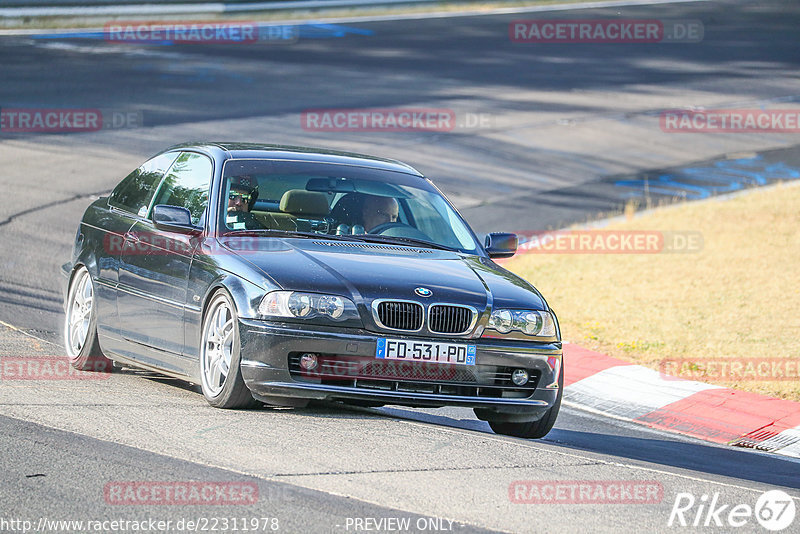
(339, 200)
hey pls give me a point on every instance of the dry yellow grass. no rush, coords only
(737, 298)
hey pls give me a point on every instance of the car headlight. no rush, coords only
(531, 322)
(297, 305)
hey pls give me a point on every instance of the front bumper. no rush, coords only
(268, 350)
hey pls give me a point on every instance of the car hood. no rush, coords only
(368, 271)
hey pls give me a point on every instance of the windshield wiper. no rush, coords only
(409, 240)
(271, 232)
(373, 238)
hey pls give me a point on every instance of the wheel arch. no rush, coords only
(85, 258)
(245, 295)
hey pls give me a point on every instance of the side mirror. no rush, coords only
(173, 219)
(501, 245)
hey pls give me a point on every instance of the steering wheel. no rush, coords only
(381, 228)
(398, 229)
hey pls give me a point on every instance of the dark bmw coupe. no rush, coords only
(282, 275)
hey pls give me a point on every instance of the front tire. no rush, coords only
(533, 429)
(80, 325)
(220, 348)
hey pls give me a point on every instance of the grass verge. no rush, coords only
(728, 313)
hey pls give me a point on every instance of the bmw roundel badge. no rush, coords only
(423, 292)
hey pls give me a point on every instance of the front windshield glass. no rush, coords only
(339, 200)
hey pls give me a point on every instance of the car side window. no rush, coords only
(187, 185)
(133, 194)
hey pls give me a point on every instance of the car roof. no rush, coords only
(234, 150)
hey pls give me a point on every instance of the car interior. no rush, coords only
(303, 209)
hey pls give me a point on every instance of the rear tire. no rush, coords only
(533, 429)
(80, 325)
(220, 348)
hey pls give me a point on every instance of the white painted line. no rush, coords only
(131, 10)
(124, 9)
(130, 51)
(499, 11)
(631, 391)
(786, 443)
(216, 8)
(24, 333)
(315, 4)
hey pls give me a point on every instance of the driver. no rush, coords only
(241, 198)
(379, 210)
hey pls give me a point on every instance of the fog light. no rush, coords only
(519, 377)
(308, 362)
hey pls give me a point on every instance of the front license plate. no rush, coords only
(425, 351)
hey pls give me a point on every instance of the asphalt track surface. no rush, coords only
(565, 123)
